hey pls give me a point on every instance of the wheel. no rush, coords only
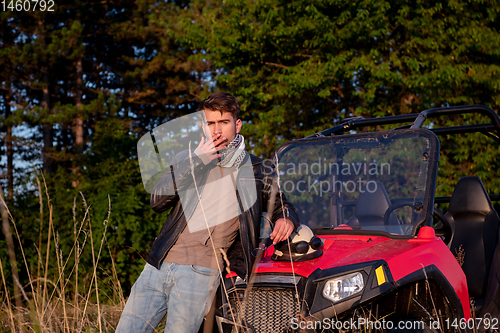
(443, 230)
(394, 206)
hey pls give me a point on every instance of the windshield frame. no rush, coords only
(430, 181)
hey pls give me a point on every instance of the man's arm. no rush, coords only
(165, 193)
(284, 214)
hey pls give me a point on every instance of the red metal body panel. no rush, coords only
(403, 257)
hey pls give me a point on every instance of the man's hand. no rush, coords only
(211, 148)
(282, 230)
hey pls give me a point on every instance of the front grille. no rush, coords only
(267, 310)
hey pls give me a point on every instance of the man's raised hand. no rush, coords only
(211, 148)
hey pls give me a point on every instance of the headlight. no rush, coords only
(344, 286)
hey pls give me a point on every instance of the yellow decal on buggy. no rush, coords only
(380, 275)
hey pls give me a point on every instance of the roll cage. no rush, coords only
(416, 120)
(410, 122)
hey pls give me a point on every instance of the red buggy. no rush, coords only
(388, 260)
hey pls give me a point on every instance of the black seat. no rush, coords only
(475, 224)
(371, 207)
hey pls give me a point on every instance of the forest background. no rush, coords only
(81, 84)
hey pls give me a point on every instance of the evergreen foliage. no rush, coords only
(79, 86)
(299, 66)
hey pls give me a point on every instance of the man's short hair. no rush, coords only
(222, 102)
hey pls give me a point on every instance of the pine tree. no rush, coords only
(300, 66)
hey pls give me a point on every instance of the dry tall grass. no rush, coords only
(57, 304)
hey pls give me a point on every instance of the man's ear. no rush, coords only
(238, 125)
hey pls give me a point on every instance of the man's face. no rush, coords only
(221, 124)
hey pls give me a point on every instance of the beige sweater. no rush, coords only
(218, 210)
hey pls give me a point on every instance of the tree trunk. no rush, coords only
(47, 128)
(48, 132)
(8, 143)
(4, 214)
(78, 123)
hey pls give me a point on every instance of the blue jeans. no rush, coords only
(184, 292)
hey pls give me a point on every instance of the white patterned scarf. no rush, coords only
(233, 154)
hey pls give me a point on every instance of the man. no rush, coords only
(217, 194)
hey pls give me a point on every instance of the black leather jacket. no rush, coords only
(165, 195)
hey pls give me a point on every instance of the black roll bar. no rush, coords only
(418, 119)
